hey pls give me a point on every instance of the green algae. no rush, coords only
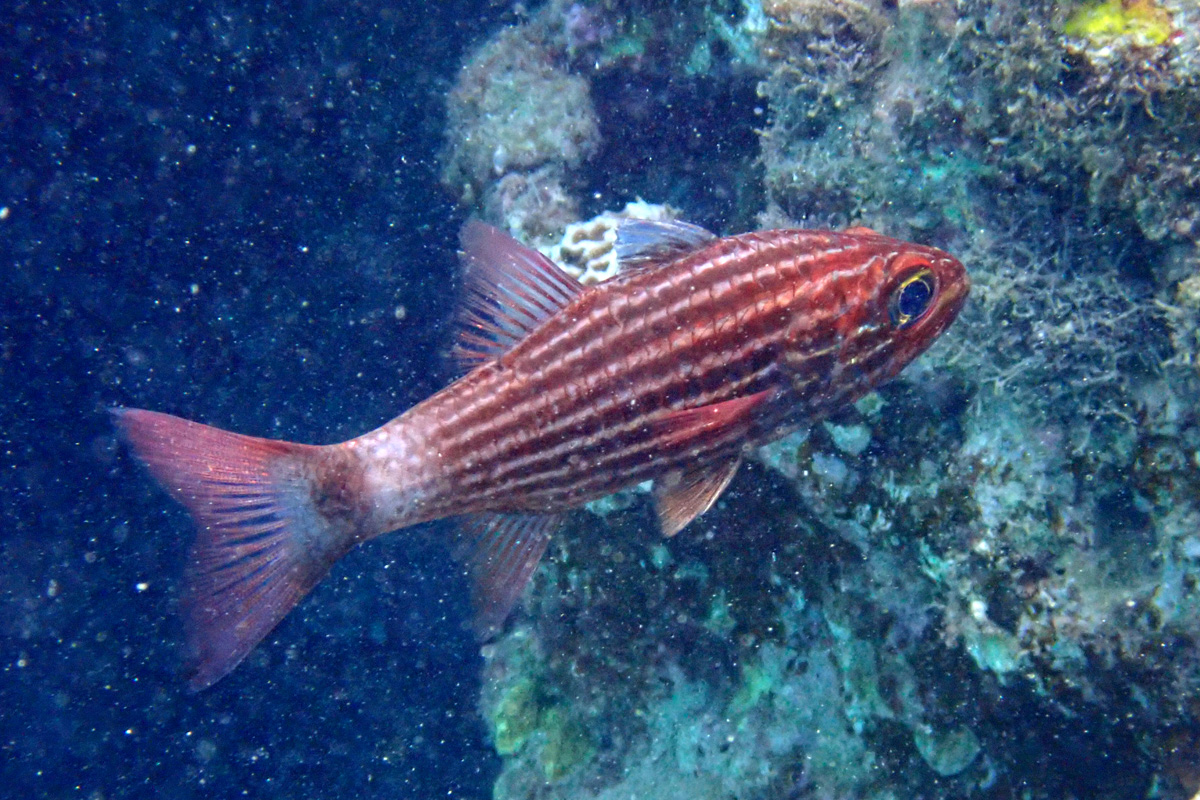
(720, 617)
(758, 681)
(1142, 23)
(567, 744)
(515, 717)
(524, 715)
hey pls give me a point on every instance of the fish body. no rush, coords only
(701, 348)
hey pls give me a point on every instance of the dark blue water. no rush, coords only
(231, 212)
(216, 210)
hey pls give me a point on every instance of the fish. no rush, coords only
(701, 349)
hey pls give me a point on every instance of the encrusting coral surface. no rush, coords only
(981, 581)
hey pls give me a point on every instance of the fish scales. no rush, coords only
(668, 373)
(731, 324)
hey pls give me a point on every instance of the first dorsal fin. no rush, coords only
(509, 289)
(643, 242)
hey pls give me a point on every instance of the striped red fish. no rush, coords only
(701, 348)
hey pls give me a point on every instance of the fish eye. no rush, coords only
(912, 298)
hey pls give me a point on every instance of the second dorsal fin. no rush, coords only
(509, 289)
(643, 242)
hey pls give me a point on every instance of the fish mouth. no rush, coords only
(956, 286)
(949, 303)
(956, 296)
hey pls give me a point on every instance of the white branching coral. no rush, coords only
(588, 249)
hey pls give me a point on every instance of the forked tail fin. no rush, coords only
(268, 523)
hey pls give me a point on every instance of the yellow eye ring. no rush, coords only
(912, 298)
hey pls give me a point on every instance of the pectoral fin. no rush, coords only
(680, 497)
(697, 426)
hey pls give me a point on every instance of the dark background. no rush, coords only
(217, 211)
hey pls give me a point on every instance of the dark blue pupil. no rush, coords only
(914, 298)
(911, 299)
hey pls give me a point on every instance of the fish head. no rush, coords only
(921, 294)
(895, 307)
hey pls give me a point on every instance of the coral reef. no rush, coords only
(517, 123)
(881, 603)
(1110, 107)
(513, 109)
(860, 127)
(588, 249)
(902, 124)
(583, 106)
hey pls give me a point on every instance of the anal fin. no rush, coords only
(500, 553)
(680, 497)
